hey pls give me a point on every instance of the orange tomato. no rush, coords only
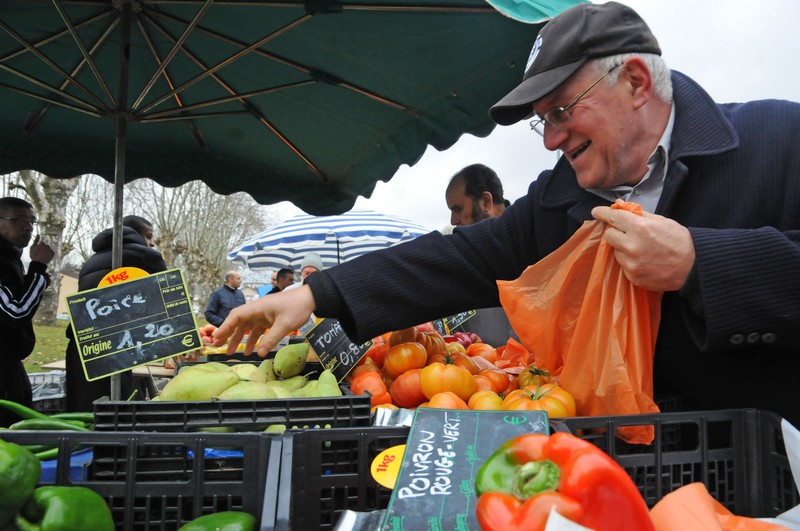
(483, 383)
(485, 400)
(432, 341)
(500, 379)
(483, 350)
(447, 400)
(406, 390)
(559, 393)
(403, 357)
(437, 377)
(523, 399)
(377, 353)
(371, 382)
(533, 375)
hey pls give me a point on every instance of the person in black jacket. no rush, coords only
(137, 251)
(224, 299)
(20, 295)
(720, 234)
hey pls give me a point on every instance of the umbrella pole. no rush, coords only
(119, 163)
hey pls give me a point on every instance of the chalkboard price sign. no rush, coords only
(455, 321)
(131, 323)
(334, 349)
(445, 449)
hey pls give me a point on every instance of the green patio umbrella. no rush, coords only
(310, 102)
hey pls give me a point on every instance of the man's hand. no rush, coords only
(655, 252)
(40, 251)
(281, 313)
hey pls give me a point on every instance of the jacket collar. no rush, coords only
(700, 129)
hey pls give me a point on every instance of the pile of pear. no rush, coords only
(280, 377)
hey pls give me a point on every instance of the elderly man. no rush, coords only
(224, 299)
(720, 236)
(20, 295)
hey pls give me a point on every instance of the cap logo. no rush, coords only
(534, 52)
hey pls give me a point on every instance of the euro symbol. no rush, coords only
(188, 340)
(514, 420)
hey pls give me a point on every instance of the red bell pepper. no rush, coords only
(529, 474)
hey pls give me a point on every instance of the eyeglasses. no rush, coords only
(558, 116)
(22, 221)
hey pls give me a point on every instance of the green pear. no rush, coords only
(275, 428)
(291, 384)
(245, 390)
(290, 360)
(198, 384)
(307, 390)
(279, 390)
(328, 385)
(266, 368)
(248, 371)
(211, 366)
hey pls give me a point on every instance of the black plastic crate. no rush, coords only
(325, 472)
(738, 454)
(124, 471)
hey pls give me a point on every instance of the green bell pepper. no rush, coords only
(19, 473)
(57, 508)
(222, 521)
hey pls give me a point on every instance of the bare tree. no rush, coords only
(89, 211)
(49, 197)
(196, 228)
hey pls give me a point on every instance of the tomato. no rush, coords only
(483, 350)
(485, 400)
(437, 377)
(482, 383)
(406, 335)
(433, 342)
(377, 353)
(533, 375)
(403, 357)
(462, 360)
(366, 364)
(406, 390)
(455, 348)
(559, 393)
(524, 399)
(500, 379)
(371, 382)
(447, 400)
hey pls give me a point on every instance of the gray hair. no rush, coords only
(662, 80)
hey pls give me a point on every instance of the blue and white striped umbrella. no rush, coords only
(335, 238)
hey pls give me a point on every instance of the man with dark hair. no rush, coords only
(20, 296)
(719, 237)
(137, 251)
(225, 298)
(284, 279)
(473, 194)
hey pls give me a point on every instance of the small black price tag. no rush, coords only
(455, 321)
(335, 350)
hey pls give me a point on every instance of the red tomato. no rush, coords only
(437, 377)
(403, 357)
(370, 381)
(406, 335)
(406, 390)
(377, 353)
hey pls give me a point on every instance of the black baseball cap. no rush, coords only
(564, 44)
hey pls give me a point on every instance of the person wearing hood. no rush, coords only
(20, 295)
(137, 251)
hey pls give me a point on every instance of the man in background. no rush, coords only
(312, 262)
(474, 193)
(224, 299)
(20, 296)
(137, 251)
(285, 278)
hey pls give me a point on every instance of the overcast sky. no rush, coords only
(738, 50)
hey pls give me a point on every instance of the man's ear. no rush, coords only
(639, 81)
(486, 200)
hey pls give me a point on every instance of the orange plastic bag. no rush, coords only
(692, 507)
(584, 321)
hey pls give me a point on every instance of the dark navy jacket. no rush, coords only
(729, 339)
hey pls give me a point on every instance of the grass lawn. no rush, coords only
(51, 345)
